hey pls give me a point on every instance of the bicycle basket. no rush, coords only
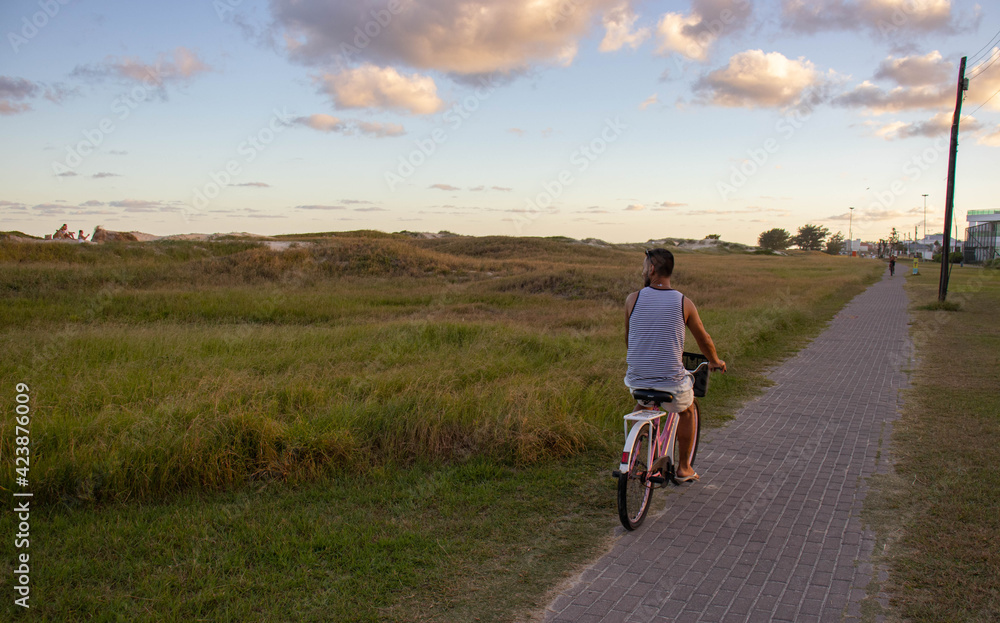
(691, 361)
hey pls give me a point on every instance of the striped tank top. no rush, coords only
(656, 342)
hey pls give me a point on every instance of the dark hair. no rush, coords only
(662, 261)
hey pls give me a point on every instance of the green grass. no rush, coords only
(428, 543)
(938, 514)
(422, 428)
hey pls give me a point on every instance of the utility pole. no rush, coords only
(850, 234)
(925, 215)
(949, 202)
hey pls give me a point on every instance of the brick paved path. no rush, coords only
(772, 532)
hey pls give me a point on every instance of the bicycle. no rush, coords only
(650, 447)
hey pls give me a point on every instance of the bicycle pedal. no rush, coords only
(657, 480)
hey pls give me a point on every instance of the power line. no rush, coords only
(974, 59)
(981, 105)
(996, 57)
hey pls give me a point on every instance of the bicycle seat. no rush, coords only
(652, 397)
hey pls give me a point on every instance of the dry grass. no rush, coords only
(939, 512)
(159, 367)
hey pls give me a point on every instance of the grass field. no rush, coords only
(938, 515)
(371, 427)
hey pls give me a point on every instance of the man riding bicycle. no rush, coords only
(655, 319)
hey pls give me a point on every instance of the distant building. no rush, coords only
(982, 236)
(862, 248)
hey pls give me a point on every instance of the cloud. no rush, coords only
(253, 184)
(666, 205)
(877, 100)
(517, 131)
(323, 123)
(355, 201)
(921, 83)
(882, 17)
(754, 79)
(444, 187)
(463, 37)
(180, 65)
(505, 189)
(870, 215)
(380, 130)
(118, 152)
(369, 86)
(327, 123)
(92, 203)
(693, 35)
(49, 209)
(142, 205)
(990, 138)
(12, 89)
(938, 125)
(479, 188)
(370, 209)
(319, 207)
(67, 174)
(635, 207)
(649, 101)
(915, 71)
(618, 29)
(16, 93)
(104, 174)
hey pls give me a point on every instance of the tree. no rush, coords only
(713, 237)
(776, 239)
(835, 244)
(810, 237)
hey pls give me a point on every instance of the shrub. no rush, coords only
(956, 257)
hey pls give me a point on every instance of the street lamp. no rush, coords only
(925, 215)
(850, 232)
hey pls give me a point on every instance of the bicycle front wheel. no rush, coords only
(697, 430)
(634, 490)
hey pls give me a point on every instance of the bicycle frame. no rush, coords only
(661, 442)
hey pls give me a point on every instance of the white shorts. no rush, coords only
(682, 400)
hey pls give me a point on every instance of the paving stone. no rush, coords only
(772, 530)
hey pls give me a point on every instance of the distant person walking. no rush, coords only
(892, 265)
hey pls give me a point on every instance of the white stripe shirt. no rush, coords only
(656, 342)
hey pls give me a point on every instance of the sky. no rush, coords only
(613, 119)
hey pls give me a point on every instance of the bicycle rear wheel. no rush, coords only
(634, 490)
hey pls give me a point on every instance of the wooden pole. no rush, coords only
(949, 202)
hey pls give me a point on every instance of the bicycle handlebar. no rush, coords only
(699, 366)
